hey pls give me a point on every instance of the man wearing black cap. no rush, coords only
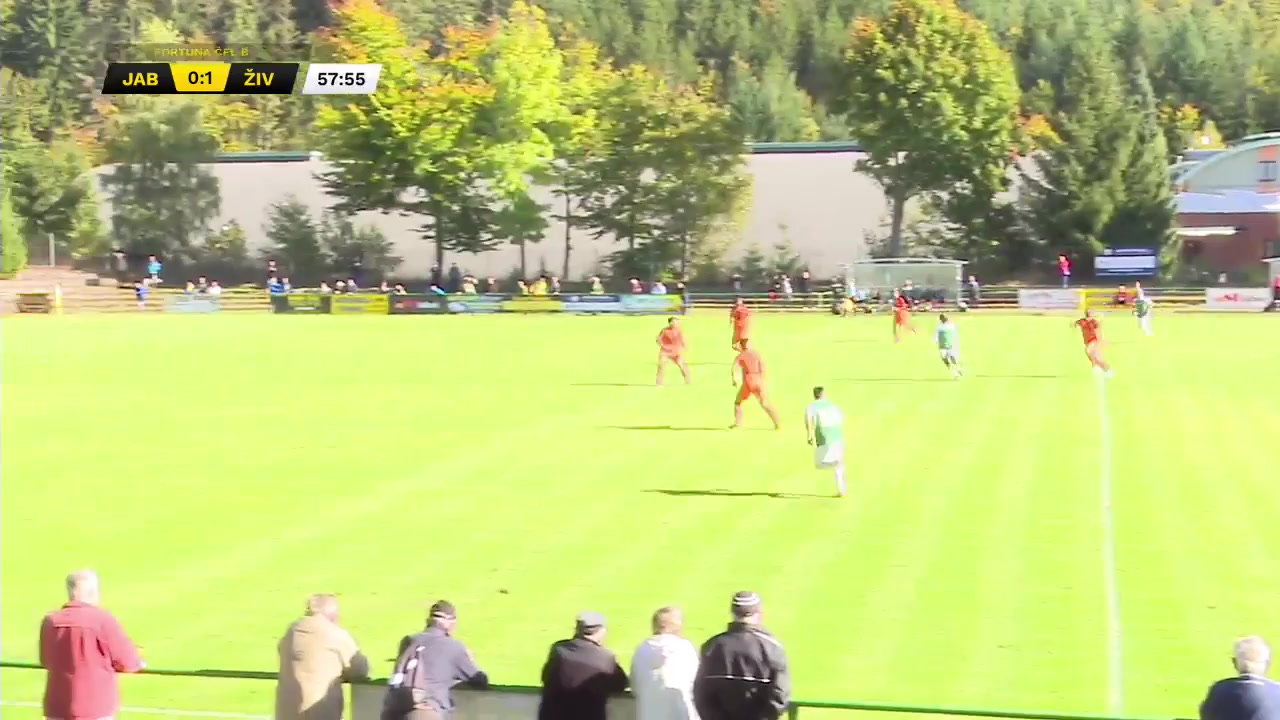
(580, 674)
(743, 675)
(428, 666)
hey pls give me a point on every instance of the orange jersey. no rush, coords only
(751, 365)
(1089, 329)
(741, 317)
(671, 340)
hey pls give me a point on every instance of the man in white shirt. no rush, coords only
(663, 669)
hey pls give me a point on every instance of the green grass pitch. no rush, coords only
(215, 470)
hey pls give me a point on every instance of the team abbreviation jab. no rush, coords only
(239, 78)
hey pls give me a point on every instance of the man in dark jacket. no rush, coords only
(1249, 695)
(580, 674)
(743, 675)
(428, 666)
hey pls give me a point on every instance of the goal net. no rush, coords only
(925, 279)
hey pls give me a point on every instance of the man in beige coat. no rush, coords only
(316, 657)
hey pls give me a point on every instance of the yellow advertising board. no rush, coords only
(360, 305)
(532, 304)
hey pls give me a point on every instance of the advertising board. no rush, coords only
(652, 304)
(35, 303)
(186, 304)
(469, 304)
(300, 303)
(359, 304)
(1126, 262)
(533, 304)
(418, 305)
(1237, 298)
(1048, 299)
(592, 304)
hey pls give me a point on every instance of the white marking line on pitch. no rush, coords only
(1111, 584)
(159, 711)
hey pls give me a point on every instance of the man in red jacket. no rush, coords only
(82, 647)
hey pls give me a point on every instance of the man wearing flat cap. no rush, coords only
(428, 666)
(743, 674)
(580, 675)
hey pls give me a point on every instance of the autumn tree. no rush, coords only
(933, 102)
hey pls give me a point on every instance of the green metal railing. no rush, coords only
(793, 713)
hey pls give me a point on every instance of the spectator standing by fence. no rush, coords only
(154, 268)
(580, 674)
(974, 291)
(743, 674)
(428, 667)
(316, 656)
(1064, 269)
(1249, 695)
(663, 669)
(82, 646)
(1275, 293)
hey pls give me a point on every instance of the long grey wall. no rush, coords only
(816, 201)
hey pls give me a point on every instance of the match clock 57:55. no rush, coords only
(341, 79)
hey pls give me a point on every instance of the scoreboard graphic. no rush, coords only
(238, 78)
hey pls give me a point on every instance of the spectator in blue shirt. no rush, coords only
(437, 290)
(154, 267)
(141, 291)
(1249, 695)
(276, 286)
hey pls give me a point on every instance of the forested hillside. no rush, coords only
(943, 96)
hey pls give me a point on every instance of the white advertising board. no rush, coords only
(1237, 298)
(1048, 299)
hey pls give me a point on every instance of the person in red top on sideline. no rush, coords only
(1091, 332)
(740, 317)
(752, 369)
(901, 315)
(1064, 269)
(82, 647)
(671, 349)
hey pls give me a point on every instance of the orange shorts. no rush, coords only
(747, 389)
(739, 334)
(900, 317)
(674, 356)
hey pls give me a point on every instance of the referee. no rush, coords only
(743, 674)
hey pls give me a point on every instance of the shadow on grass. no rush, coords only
(738, 493)
(665, 428)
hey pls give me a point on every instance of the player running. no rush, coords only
(948, 338)
(740, 318)
(752, 369)
(671, 350)
(824, 427)
(1142, 309)
(1092, 333)
(901, 315)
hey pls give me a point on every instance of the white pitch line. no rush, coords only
(158, 711)
(1111, 584)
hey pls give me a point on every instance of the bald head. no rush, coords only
(324, 605)
(82, 586)
(668, 621)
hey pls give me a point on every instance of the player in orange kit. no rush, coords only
(752, 369)
(671, 349)
(1091, 331)
(901, 315)
(740, 317)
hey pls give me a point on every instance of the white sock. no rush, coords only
(840, 484)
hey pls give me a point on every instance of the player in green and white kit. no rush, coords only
(1142, 308)
(948, 339)
(824, 426)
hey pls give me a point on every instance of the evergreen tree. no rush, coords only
(45, 40)
(13, 241)
(1144, 214)
(1072, 196)
(295, 241)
